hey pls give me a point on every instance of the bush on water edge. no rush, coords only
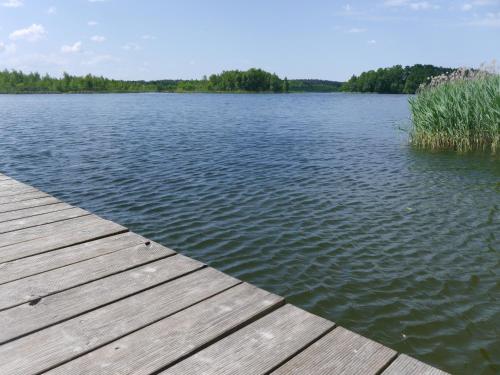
(460, 111)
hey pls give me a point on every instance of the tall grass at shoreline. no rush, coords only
(459, 111)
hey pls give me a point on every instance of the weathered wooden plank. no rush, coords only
(34, 287)
(32, 211)
(44, 230)
(160, 344)
(23, 197)
(9, 207)
(406, 365)
(40, 263)
(40, 220)
(59, 235)
(258, 347)
(58, 344)
(10, 182)
(16, 191)
(76, 301)
(339, 352)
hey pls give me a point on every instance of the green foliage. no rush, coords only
(314, 85)
(460, 114)
(394, 80)
(19, 82)
(252, 80)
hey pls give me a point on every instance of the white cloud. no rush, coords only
(372, 42)
(356, 30)
(76, 47)
(31, 33)
(131, 47)
(52, 10)
(97, 1)
(490, 20)
(98, 39)
(478, 3)
(92, 23)
(13, 3)
(423, 5)
(7, 48)
(395, 3)
(484, 2)
(148, 37)
(413, 5)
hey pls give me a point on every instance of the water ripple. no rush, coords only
(314, 197)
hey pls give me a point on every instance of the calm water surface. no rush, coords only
(315, 197)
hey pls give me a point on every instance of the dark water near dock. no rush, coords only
(316, 197)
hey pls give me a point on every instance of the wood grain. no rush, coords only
(9, 207)
(72, 302)
(12, 184)
(22, 197)
(340, 352)
(39, 220)
(46, 230)
(58, 344)
(37, 286)
(16, 191)
(405, 365)
(32, 211)
(258, 347)
(40, 263)
(160, 344)
(62, 235)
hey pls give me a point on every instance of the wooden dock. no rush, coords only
(83, 295)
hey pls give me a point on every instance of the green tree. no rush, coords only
(286, 85)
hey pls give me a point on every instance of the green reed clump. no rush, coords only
(460, 111)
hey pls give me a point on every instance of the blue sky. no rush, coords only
(132, 39)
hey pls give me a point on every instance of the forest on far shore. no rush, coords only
(395, 80)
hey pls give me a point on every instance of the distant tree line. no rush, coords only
(314, 85)
(394, 80)
(18, 82)
(252, 80)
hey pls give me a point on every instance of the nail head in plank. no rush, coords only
(44, 262)
(58, 344)
(37, 286)
(76, 301)
(258, 347)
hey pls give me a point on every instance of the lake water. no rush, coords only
(316, 197)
